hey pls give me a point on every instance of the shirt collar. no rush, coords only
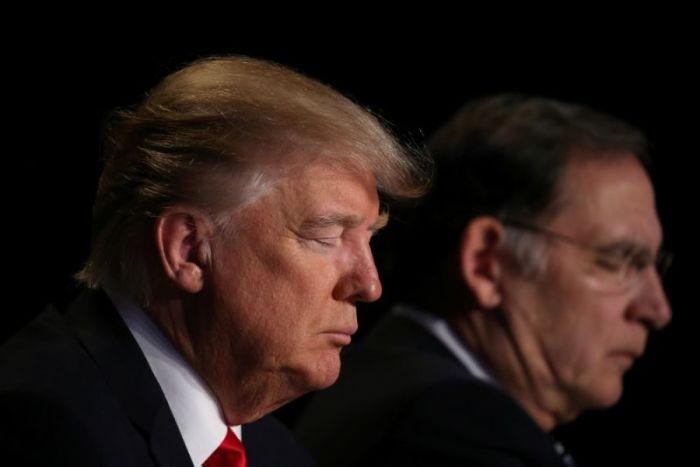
(439, 328)
(191, 402)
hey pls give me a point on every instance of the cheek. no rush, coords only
(599, 384)
(278, 301)
(584, 362)
(282, 318)
(577, 328)
(580, 338)
(571, 327)
(292, 344)
(578, 356)
(297, 303)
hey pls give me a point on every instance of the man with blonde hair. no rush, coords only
(230, 245)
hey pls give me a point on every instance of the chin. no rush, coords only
(325, 371)
(313, 373)
(605, 395)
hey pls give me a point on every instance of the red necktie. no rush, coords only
(230, 453)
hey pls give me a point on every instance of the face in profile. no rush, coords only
(288, 277)
(589, 314)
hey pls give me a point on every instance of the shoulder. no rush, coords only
(471, 422)
(56, 402)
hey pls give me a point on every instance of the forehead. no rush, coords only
(325, 188)
(608, 200)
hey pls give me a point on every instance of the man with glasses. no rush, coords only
(528, 287)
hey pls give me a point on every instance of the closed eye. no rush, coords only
(328, 241)
(611, 262)
(641, 261)
(617, 259)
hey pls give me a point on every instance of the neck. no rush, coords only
(516, 362)
(244, 393)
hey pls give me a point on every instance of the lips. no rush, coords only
(342, 335)
(347, 330)
(632, 349)
(628, 356)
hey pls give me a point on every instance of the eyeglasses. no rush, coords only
(616, 268)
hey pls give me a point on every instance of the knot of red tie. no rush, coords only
(230, 453)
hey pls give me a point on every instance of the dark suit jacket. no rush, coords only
(403, 399)
(76, 390)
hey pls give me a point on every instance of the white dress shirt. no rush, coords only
(192, 403)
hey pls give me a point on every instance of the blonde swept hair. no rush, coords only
(215, 134)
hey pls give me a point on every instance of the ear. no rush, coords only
(479, 260)
(183, 239)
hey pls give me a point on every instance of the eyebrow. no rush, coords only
(348, 221)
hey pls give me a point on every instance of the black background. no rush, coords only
(56, 95)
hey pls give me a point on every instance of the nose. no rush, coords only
(361, 281)
(650, 305)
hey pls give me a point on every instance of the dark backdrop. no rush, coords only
(57, 95)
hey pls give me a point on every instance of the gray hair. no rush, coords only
(529, 251)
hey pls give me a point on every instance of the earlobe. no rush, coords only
(183, 242)
(480, 261)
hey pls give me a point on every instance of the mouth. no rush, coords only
(341, 336)
(628, 357)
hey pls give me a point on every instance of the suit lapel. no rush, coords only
(114, 350)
